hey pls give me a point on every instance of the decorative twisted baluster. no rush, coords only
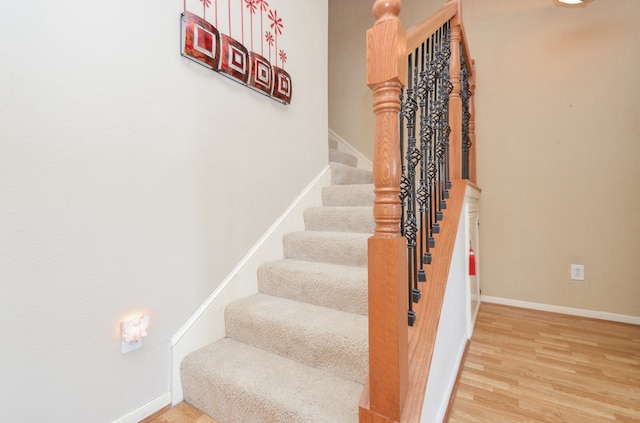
(447, 88)
(412, 158)
(432, 118)
(424, 185)
(472, 124)
(443, 129)
(465, 95)
(423, 194)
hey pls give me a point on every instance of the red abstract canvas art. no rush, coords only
(230, 46)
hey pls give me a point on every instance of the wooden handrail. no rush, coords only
(417, 34)
(420, 32)
(399, 357)
(467, 51)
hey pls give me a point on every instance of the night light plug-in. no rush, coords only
(133, 331)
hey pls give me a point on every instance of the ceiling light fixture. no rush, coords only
(572, 3)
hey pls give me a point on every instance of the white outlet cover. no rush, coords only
(577, 272)
(130, 346)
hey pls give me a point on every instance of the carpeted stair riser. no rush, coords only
(343, 175)
(330, 340)
(236, 383)
(340, 219)
(333, 144)
(329, 247)
(348, 195)
(342, 157)
(328, 285)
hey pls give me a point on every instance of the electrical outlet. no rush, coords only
(130, 346)
(577, 272)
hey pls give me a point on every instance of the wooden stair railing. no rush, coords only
(399, 356)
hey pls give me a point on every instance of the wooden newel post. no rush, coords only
(472, 124)
(455, 102)
(388, 292)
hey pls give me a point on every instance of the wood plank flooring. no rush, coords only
(532, 366)
(183, 413)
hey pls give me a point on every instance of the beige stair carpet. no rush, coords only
(298, 350)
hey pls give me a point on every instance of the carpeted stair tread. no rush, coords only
(340, 219)
(331, 340)
(342, 174)
(348, 195)
(342, 157)
(298, 350)
(233, 382)
(346, 248)
(329, 285)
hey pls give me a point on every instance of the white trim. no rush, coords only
(594, 314)
(223, 285)
(452, 380)
(146, 410)
(206, 325)
(362, 159)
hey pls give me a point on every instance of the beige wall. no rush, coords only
(351, 101)
(558, 125)
(349, 97)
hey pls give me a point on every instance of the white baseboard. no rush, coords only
(206, 325)
(594, 314)
(146, 410)
(252, 252)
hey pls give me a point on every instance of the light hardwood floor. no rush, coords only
(183, 413)
(532, 366)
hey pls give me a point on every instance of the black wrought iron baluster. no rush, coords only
(403, 183)
(443, 130)
(431, 170)
(425, 179)
(413, 159)
(440, 145)
(447, 92)
(412, 155)
(465, 95)
(422, 194)
(404, 189)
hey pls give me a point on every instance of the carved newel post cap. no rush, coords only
(386, 7)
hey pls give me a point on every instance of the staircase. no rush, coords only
(298, 350)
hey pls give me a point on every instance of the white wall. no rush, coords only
(207, 324)
(131, 180)
(453, 327)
